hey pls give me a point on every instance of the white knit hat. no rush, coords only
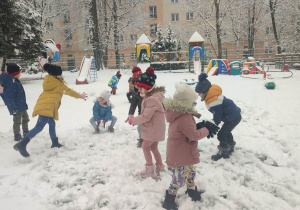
(185, 94)
(105, 94)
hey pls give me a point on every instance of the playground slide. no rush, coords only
(197, 67)
(258, 68)
(212, 71)
(143, 66)
(84, 71)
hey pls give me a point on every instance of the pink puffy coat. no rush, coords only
(152, 117)
(183, 139)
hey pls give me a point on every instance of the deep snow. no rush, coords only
(100, 171)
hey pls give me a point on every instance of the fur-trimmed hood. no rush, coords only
(156, 90)
(179, 106)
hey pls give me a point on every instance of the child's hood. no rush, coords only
(158, 93)
(214, 92)
(172, 115)
(5, 79)
(179, 106)
(50, 83)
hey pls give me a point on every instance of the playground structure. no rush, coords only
(51, 53)
(87, 67)
(196, 43)
(235, 68)
(145, 56)
(218, 66)
(143, 52)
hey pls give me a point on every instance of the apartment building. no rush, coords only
(71, 30)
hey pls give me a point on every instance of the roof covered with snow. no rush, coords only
(196, 37)
(143, 40)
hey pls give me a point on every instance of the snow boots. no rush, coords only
(194, 194)
(222, 153)
(231, 150)
(55, 143)
(169, 202)
(160, 168)
(18, 137)
(111, 129)
(140, 142)
(21, 147)
(148, 172)
(97, 130)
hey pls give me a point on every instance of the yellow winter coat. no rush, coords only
(50, 99)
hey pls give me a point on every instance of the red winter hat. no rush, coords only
(136, 74)
(147, 79)
(13, 69)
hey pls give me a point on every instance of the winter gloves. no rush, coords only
(212, 128)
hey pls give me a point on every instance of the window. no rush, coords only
(120, 38)
(223, 32)
(224, 53)
(121, 57)
(269, 30)
(207, 34)
(89, 39)
(174, 1)
(68, 34)
(49, 25)
(133, 56)
(133, 37)
(153, 29)
(268, 50)
(67, 17)
(175, 17)
(207, 15)
(152, 12)
(222, 14)
(189, 16)
(71, 62)
(68, 46)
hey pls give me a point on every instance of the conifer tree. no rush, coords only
(19, 31)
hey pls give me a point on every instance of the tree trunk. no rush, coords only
(251, 16)
(238, 49)
(219, 41)
(3, 64)
(106, 34)
(95, 31)
(272, 12)
(115, 29)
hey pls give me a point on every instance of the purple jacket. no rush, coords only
(183, 139)
(152, 118)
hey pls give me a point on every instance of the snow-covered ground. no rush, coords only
(100, 171)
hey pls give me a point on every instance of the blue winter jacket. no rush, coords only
(101, 112)
(113, 81)
(14, 94)
(222, 108)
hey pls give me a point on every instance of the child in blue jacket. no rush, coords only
(102, 112)
(223, 109)
(113, 82)
(15, 99)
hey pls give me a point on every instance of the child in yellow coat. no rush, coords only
(47, 107)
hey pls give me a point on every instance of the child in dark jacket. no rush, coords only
(113, 82)
(136, 101)
(223, 109)
(182, 143)
(15, 99)
(102, 113)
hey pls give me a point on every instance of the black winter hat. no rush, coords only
(53, 69)
(13, 69)
(203, 84)
(147, 79)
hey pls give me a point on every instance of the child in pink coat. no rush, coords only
(183, 136)
(152, 120)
